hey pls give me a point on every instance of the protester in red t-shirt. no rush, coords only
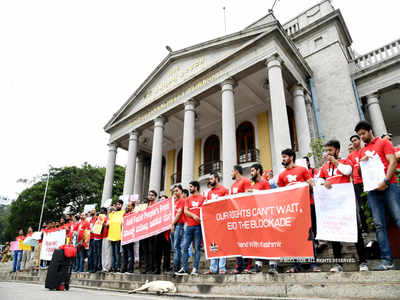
(354, 157)
(82, 226)
(338, 171)
(241, 184)
(217, 190)
(177, 228)
(292, 175)
(386, 195)
(193, 229)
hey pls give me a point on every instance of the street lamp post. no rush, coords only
(44, 199)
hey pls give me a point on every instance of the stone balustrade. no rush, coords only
(378, 55)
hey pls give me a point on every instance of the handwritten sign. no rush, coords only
(51, 241)
(335, 209)
(373, 173)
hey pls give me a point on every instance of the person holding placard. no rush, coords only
(338, 171)
(386, 194)
(114, 235)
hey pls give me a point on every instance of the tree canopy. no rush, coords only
(68, 186)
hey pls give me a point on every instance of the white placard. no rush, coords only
(134, 198)
(88, 207)
(51, 241)
(373, 172)
(335, 209)
(301, 162)
(107, 203)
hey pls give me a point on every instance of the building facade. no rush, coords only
(243, 97)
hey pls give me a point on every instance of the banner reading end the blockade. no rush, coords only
(151, 221)
(267, 224)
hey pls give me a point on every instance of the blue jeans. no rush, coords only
(191, 232)
(177, 244)
(116, 255)
(17, 257)
(98, 244)
(82, 252)
(218, 263)
(377, 201)
(129, 258)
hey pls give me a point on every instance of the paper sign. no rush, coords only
(51, 241)
(89, 207)
(335, 209)
(373, 173)
(98, 225)
(134, 198)
(107, 203)
(14, 245)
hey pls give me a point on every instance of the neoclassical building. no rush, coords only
(243, 97)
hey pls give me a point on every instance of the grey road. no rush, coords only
(27, 291)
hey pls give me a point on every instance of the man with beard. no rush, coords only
(193, 228)
(337, 171)
(217, 190)
(354, 157)
(386, 195)
(241, 185)
(259, 183)
(294, 174)
(177, 228)
(92, 255)
(114, 235)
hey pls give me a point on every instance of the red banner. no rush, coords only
(266, 224)
(151, 221)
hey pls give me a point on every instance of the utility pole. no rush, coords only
(44, 199)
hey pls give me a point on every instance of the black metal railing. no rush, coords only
(251, 155)
(212, 166)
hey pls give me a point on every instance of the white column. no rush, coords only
(139, 176)
(188, 143)
(278, 108)
(229, 154)
(156, 155)
(375, 114)
(301, 120)
(131, 165)
(109, 178)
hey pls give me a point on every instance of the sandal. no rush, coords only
(293, 270)
(208, 273)
(316, 269)
(236, 272)
(222, 272)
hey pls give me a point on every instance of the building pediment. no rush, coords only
(181, 66)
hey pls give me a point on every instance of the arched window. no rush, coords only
(245, 143)
(179, 167)
(292, 129)
(163, 166)
(211, 156)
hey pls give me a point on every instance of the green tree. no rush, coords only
(317, 149)
(4, 213)
(68, 187)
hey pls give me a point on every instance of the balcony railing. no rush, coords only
(176, 178)
(251, 155)
(212, 166)
(379, 55)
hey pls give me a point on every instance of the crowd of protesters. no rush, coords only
(104, 252)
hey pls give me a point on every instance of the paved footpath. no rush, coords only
(28, 291)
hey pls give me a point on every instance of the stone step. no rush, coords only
(355, 285)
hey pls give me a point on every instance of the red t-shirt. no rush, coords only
(294, 175)
(105, 228)
(332, 174)
(81, 227)
(313, 172)
(379, 147)
(261, 185)
(193, 204)
(395, 151)
(218, 191)
(240, 186)
(91, 224)
(354, 157)
(180, 204)
(20, 238)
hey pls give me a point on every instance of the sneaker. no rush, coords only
(364, 267)
(181, 272)
(336, 269)
(384, 266)
(194, 272)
